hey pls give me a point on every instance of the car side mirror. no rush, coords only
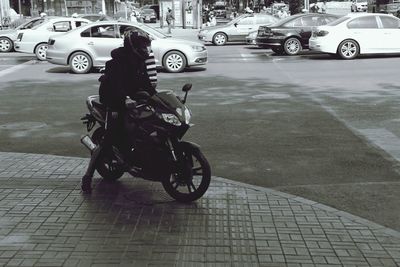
(235, 24)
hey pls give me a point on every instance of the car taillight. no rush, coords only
(319, 33)
(51, 41)
(262, 30)
(19, 38)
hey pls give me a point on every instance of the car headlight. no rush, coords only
(171, 119)
(198, 48)
(253, 35)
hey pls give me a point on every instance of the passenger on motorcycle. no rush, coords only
(131, 70)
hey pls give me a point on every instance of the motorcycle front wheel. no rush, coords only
(193, 180)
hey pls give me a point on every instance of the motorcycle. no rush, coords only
(155, 126)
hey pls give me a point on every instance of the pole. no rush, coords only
(20, 8)
(103, 7)
(66, 8)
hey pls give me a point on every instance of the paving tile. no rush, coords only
(46, 221)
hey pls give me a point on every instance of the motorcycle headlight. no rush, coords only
(198, 48)
(188, 116)
(171, 119)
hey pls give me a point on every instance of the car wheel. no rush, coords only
(174, 61)
(292, 46)
(348, 49)
(40, 51)
(6, 45)
(220, 38)
(80, 63)
(278, 50)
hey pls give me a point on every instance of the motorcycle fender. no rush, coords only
(188, 145)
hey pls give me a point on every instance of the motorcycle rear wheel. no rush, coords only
(196, 181)
(106, 164)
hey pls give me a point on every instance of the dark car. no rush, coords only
(148, 15)
(290, 35)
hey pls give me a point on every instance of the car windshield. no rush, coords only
(153, 31)
(38, 25)
(284, 21)
(236, 20)
(30, 24)
(338, 21)
(148, 11)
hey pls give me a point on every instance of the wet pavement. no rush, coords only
(46, 221)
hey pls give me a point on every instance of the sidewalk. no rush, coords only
(46, 221)
(179, 32)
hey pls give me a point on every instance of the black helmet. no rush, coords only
(138, 42)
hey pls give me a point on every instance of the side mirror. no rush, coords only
(235, 24)
(187, 87)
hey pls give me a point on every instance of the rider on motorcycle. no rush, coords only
(131, 69)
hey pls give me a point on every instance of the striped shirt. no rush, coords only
(151, 69)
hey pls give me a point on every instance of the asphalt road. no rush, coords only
(310, 125)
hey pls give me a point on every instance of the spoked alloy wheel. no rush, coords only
(80, 63)
(193, 181)
(348, 49)
(107, 164)
(174, 61)
(292, 46)
(41, 51)
(220, 38)
(6, 44)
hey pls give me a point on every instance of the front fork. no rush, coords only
(181, 169)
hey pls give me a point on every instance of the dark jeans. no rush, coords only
(114, 135)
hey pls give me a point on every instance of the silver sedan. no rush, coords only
(7, 37)
(90, 46)
(235, 30)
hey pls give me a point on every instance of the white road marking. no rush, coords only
(15, 68)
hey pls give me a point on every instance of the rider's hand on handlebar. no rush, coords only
(129, 103)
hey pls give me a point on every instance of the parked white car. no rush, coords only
(91, 46)
(358, 33)
(7, 37)
(35, 40)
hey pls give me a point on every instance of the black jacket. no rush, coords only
(125, 74)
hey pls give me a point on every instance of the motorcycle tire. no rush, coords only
(188, 189)
(106, 164)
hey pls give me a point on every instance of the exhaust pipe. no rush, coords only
(88, 143)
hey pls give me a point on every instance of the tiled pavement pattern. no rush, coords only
(46, 221)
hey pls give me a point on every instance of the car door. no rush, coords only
(100, 40)
(156, 45)
(391, 34)
(242, 28)
(54, 29)
(366, 32)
